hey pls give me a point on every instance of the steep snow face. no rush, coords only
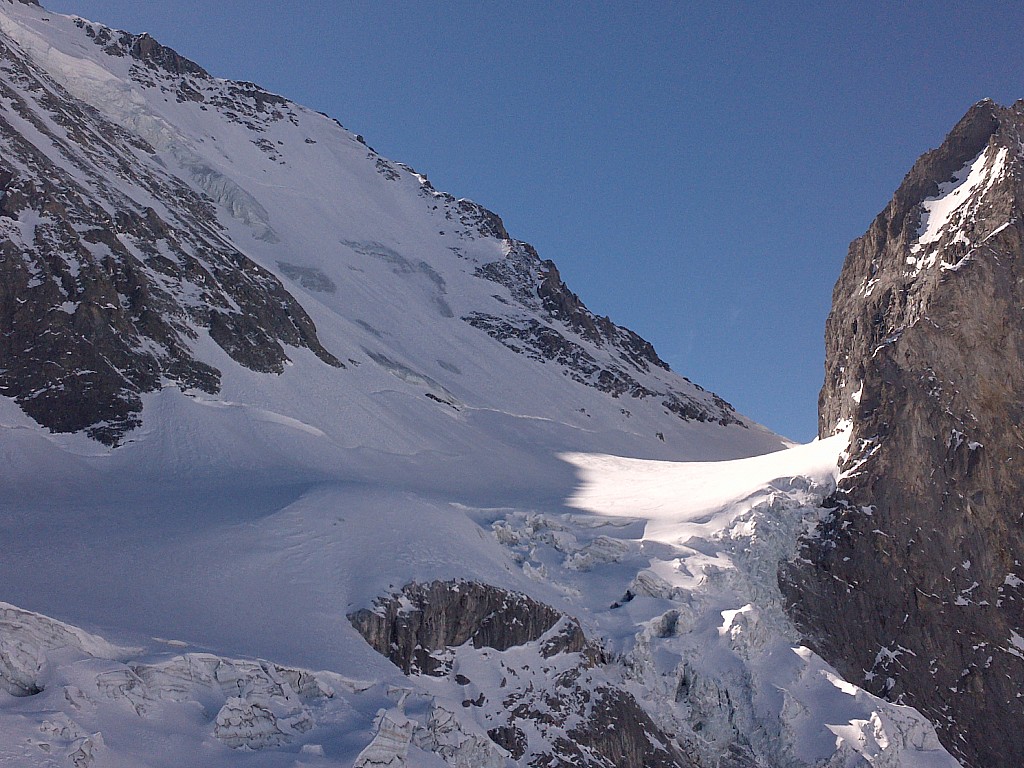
(113, 268)
(231, 215)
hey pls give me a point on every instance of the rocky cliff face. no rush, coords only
(912, 586)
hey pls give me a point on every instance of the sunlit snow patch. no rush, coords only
(684, 499)
(979, 174)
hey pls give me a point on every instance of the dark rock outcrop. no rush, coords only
(913, 585)
(553, 706)
(445, 614)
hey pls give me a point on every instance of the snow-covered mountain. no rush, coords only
(265, 394)
(160, 209)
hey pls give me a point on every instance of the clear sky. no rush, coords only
(696, 170)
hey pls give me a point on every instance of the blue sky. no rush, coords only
(696, 171)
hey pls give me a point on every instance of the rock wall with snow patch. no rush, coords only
(912, 586)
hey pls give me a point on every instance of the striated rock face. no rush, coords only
(433, 617)
(912, 587)
(527, 673)
(537, 285)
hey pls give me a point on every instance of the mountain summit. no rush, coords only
(912, 586)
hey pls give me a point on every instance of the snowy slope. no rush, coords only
(413, 293)
(677, 581)
(449, 413)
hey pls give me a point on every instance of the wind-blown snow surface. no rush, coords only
(245, 525)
